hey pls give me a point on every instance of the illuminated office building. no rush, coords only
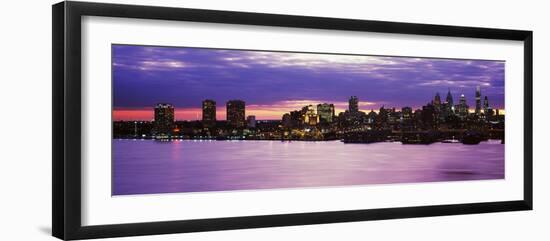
(164, 119)
(209, 113)
(236, 113)
(325, 112)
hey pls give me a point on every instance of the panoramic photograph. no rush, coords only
(188, 119)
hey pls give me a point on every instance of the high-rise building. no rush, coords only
(478, 101)
(449, 105)
(297, 118)
(449, 98)
(353, 104)
(437, 99)
(236, 113)
(462, 106)
(325, 112)
(251, 121)
(485, 105)
(428, 117)
(310, 115)
(209, 113)
(437, 103)
(164, 119)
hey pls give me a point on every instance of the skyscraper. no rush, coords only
(209, 113)
(325, 112)
(462, 106)
(353, 104)
(437, 99)
(236, 113)
(310, 115)
(437, 103)
(296, 118)
(449, 98)
(485, 105)
(164, 119)
(447, 108)
(428, 117)
(478, 100)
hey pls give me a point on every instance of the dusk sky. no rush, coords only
(274, 83)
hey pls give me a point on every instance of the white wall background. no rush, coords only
(25, 133)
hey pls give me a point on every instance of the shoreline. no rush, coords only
(299, 140)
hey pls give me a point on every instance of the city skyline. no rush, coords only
(274, 83)
(219, 113)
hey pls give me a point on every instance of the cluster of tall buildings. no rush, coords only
(462, 110)
(310, 115)
(235, 114)
(429, 116)
(236, 117)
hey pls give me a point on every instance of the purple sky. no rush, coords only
(272, 83)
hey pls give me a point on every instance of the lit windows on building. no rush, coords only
(164, 119)
(325, 112)
(209, 113)
(236, 113)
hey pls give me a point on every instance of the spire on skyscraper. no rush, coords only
(449, 98)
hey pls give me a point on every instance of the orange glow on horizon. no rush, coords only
(262, 112)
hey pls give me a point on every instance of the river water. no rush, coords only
(148, 166)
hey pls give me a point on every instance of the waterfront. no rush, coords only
(148, 166)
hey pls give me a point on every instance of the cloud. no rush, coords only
(185, 76)
(453, 83)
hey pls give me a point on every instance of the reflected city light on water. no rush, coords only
(150, 166)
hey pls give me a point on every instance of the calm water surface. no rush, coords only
(147, 166)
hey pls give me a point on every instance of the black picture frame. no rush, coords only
(66, 167)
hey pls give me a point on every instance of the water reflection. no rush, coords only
(194, 166)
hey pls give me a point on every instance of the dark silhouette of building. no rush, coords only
(164, 119)
(251, 121)
(382, 118)
(406, 113)
(296, 118)
(406, 118)
(485, 106)
(428, 116)
(236, 113)
(209, 113)
(478, 101)
(353, 104)
(371, 117)
(447, 109)
(287, 121)
(449, 98)
(437, 99)
(437, 105)
(325, 112)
